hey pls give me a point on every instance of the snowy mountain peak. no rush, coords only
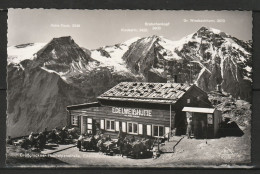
(22, 52)
(61, 50)
(206, 29)
(63, 40)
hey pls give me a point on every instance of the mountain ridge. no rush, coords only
(207, 57)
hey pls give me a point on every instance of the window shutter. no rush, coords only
(79, 121)
(117, 125)
(72, 120)
(149, 130)
(89, 120)
(81, 124)
(102, 124)
(89, 126)
(140, 129)
(123, 127)
(167, 130)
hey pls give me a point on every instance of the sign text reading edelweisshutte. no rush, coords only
(132, 112)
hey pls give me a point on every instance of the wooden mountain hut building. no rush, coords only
(140, 109)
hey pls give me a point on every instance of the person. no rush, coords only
(108, 138)
(32, 139)
(9, 140)
(41, 140)
(120, 144)
(156, 152)
(80, 139)
(119, 133)
(133, 139)
(93, 140)
(90, 133)
(52, 136)
(63, 134)
(203, 130)
(189, 122)
(126, 140)
(45, 132)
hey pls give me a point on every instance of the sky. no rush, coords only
(96, 28)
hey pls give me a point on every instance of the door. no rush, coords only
(200, 125)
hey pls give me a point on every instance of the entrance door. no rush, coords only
(200, 125)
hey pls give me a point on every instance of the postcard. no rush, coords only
(129, 88)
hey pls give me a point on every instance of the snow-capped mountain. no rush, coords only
(222, 59)
(18, 53)
(48, 77)
(111, 56)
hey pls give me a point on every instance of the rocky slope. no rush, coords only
(238, 111)
(37, 99)
(207, 57)
(225, 60)
(48, 77)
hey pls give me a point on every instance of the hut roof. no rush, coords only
(147, 92)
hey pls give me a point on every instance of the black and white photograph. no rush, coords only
(129, 88)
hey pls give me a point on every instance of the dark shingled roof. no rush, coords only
(146, 92)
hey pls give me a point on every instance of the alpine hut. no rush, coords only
(138, 108)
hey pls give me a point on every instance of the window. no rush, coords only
(188, 100)
(158, 130)
(74, 120)
(110, 125)
(132, 128)
(210, 118)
